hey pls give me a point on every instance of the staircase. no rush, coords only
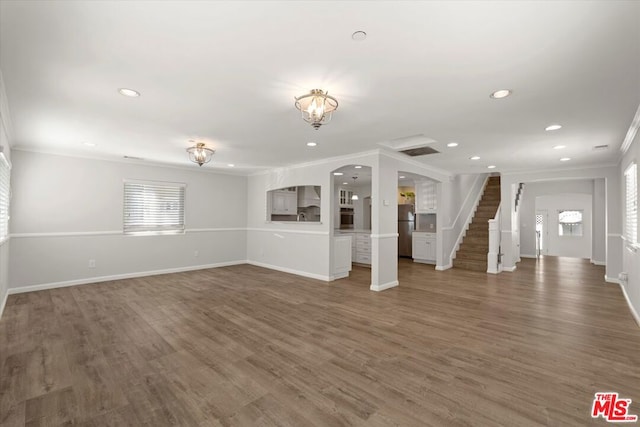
(472, 254)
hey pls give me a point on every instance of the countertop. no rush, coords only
(351, 230)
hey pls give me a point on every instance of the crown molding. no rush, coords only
(5, 114)
(631, 133)
(149, 163)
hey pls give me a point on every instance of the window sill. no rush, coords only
(154, 233)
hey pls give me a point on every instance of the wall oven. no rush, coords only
(346, 218)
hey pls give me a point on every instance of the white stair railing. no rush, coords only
(494, 261)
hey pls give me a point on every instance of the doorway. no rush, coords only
(542, 221)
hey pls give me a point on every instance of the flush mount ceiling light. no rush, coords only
(553, 127)
(129, 92)
(474, 158)
(200, 154)
(311, 144)
(499, 94)
(452, 144)
(316, 107)
(565, 159)
(559, 147)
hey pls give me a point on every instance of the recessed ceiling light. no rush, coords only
(474, 158)
(359, 36)
(89, 144)
(338, 173)
(452, 144)
(559, 147)
(565, 159)
(491, 167)
(502, 93)
(231, 165)
(402, 177)
(311, 144)
(358, 167)
(553, 127)
(345, 183)
(129, 92)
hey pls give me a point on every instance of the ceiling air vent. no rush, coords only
(600, 147)
(420, 151)
(414, 145)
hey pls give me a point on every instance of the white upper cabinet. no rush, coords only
(426, 197)
(284, 202)
(345, 197)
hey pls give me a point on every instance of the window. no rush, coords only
(631, 204)
(570, 223)
(153, 208)
(4, 197)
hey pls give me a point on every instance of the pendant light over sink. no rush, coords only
(354, 196)
(316, 107)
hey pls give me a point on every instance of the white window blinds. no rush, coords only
(153, 208)
(5, 193)
(631, 204)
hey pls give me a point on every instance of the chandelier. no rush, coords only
(316, 107)
(200, 154)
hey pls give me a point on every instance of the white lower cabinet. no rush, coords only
(360, 246)
(424, 247)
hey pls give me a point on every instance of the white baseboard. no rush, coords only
(99, 279)
(3, 303)
(632, 309)
(290, 271)
(424, 261)
(444, 267)
(527, 256)
(509, 269)
(339, 276)
(594, 262)
(611, 279)
(384, 286)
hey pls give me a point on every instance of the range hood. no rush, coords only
(308, 195)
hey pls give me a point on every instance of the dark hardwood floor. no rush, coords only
(248, 346)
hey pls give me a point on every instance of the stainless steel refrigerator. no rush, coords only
(406, 225)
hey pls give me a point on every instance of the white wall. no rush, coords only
(569, 246)
(68, 210)
(528, 208)
(631, 255)
(599, 232)
(6, 149)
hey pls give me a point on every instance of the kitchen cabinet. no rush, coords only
(345, 197)
(284, 202)
(360, 245)
(342, 256)
(426, 197)
(424, 247)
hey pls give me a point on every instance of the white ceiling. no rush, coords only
(226, 73)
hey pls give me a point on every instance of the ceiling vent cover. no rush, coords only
(420, 151)
(600, 147)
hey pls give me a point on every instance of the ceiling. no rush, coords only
(226, 73)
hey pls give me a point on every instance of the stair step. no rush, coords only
(475, 256)
(476, 240)
(474, 249)
(470, 265)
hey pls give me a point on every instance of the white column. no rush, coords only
(384, 225)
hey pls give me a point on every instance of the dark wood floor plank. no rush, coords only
(243, 345)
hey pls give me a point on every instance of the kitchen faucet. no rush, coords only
(301, 214)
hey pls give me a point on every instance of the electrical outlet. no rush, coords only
(196, 254)
(92, 263)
